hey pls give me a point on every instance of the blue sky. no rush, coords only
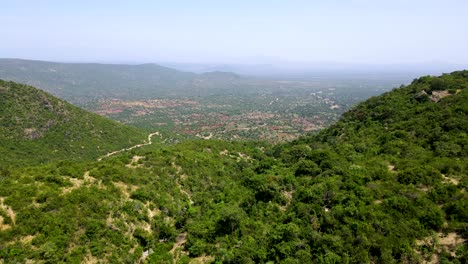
(255, 31)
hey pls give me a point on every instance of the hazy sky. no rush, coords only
(236, 31)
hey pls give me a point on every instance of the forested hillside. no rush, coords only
(36, 127)
(385, 184)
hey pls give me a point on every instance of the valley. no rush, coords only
(218, 105)
(274, 115)
(385, 183)
(234, 132)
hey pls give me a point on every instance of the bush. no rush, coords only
(307, 168)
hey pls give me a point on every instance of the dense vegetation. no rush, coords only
(385, 184)
(36, 127)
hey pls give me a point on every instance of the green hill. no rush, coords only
(386, 184)
(81, 82)
(36, 127)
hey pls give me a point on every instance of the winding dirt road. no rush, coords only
(150, 141)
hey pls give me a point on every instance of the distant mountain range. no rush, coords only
(81, 82)
(311, 71)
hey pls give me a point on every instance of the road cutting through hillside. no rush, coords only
(150, 141)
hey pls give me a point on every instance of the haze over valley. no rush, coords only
(221, 105)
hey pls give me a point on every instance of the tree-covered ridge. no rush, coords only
(37, 127)
(78, 82)
(81, 83)
(386, 184)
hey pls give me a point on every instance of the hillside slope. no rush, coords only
(402, 162)
(37, 127)
(386, 184)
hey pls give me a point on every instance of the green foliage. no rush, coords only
(391, 172)
(36, 127)
(307, 167)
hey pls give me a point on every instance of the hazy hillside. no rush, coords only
(82, 82)
(37, 127)
(386, 184)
